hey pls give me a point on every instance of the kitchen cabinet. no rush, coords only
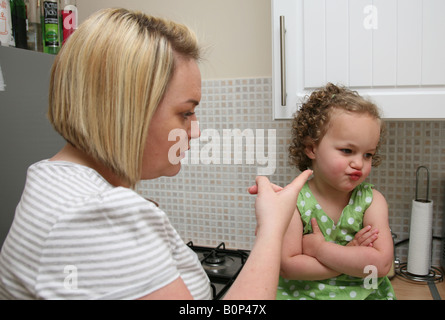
(391, 51)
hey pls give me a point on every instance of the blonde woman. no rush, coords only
(120, 84)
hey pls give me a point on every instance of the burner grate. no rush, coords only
(221, 265)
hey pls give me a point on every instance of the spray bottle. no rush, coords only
(50, 26)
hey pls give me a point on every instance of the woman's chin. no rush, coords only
(172, 171)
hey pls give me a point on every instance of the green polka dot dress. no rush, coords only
(343, 287)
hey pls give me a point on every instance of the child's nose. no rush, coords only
(357, 162)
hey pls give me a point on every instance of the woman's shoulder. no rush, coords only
(73, 187)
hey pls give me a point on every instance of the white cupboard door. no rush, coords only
(391, 51)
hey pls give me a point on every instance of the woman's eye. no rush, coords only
(188, 114)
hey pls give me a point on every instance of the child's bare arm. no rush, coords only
(294, 264)
(353, 259)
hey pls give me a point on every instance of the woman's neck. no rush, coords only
(71, 154)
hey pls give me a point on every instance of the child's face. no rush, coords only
(343, 157)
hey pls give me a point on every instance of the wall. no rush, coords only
(236, 34)
(209, 203)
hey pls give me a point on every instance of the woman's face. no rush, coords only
(174, 115)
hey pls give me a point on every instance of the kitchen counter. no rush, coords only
(413, 290)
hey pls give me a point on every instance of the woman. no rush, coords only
(121, 83)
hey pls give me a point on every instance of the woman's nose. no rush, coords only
(194, 131)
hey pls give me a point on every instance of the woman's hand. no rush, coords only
(274, 205)
(274, 208)
(364, 237)
(254, 189)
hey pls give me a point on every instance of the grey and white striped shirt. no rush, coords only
(75, 236)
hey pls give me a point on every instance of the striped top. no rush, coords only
(75, 236)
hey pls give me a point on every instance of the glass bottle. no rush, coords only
(19, 23)
(6, 36)
(34, 25)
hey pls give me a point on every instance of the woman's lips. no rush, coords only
(183, 154)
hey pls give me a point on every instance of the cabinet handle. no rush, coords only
(283, 60)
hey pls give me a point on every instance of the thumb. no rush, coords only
(254, 189)
(262, 185)
(315, 227)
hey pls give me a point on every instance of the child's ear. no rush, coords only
(310, 148)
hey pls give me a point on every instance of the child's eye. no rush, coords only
(368, 155)
(347, 151)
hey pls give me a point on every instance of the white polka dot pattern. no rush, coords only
(350, 222)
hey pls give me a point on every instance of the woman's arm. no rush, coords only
(259, 277)
(176, 290)
(352, 260)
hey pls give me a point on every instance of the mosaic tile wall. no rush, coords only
(208, 203)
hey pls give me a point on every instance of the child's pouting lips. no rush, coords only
(356, 175)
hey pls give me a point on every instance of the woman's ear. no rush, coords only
(309, 150)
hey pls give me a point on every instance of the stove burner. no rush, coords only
(215, 258)
(221, 265)
(226, 267)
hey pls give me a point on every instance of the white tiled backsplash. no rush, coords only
(208, 203)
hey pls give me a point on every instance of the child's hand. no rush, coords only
(364, 237)
(313, 241)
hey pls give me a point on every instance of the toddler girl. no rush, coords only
(330, 250)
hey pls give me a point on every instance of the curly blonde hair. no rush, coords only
(311, 121)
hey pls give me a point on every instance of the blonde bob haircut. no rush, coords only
(108, 80)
